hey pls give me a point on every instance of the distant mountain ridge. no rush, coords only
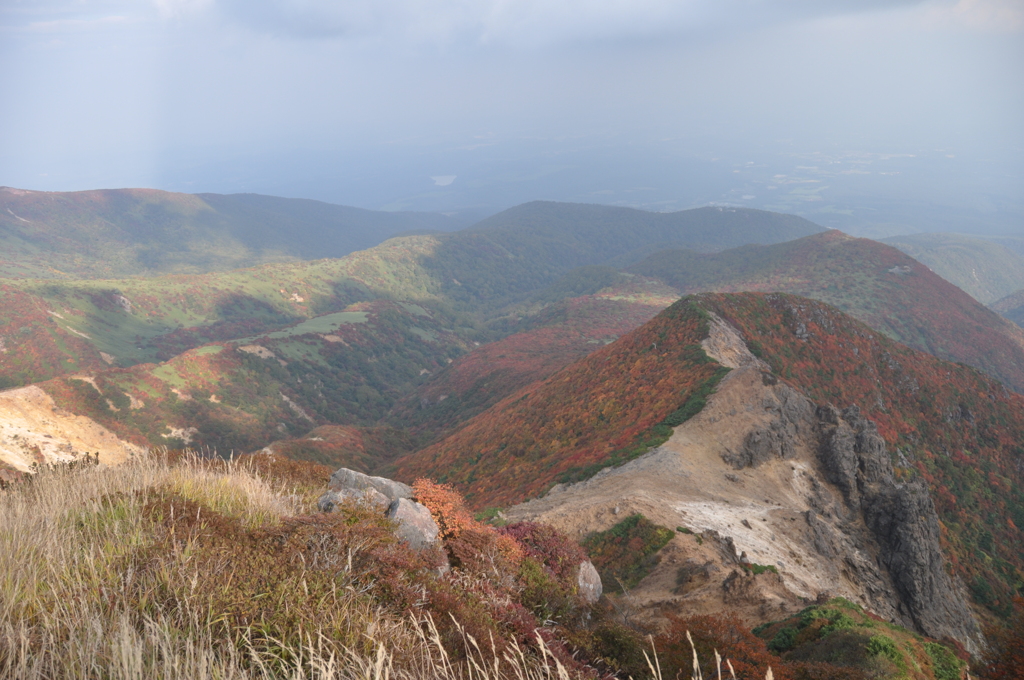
(113, 233)
(1012, 307)
(505, 257)
(984, 269)
(874, 282)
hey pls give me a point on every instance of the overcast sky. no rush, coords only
(869, 112)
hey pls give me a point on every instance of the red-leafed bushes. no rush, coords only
(591, 414)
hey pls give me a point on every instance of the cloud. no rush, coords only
(521, 21)
(67, 25)
(179, 8)
(998, 16)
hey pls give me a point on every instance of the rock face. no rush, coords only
(332, 499)
(792, 417)
(345, 479)
(901, 519)
(763, 475)
(415, 524)
(589, 582)
(348, 484)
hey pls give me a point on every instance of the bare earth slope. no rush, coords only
(34, 430)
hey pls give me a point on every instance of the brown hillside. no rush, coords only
(583, 415)
(554, 338)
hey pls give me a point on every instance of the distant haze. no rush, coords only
(877, 117)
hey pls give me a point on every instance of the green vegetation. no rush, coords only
(627, 552)
(841, 633)
(131, 232)
(757, 569)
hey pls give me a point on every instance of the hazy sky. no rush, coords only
(883, 114)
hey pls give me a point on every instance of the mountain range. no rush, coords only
(144, 232)
(750, 378)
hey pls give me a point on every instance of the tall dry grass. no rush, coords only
(78, 601)
(73, 606)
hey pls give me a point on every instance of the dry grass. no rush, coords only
(139, 571)
(76, 600)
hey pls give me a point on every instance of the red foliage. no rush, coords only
(465, 537)
(748, 653)
(1005, 657)
(568, 331)
(575, 418)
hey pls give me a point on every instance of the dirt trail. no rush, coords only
(756, 511)
(33, 429)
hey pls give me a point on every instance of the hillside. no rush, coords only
(503, 258)
(946, 423)
(549, 339)
(1012, 307)
(587, 414)
(871, 281)
(131, 232)
(985, 270)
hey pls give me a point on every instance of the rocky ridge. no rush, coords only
(787, 502)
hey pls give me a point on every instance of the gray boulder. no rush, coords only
(415, 524)
(370, 496)
(345, 479)
(589, 582)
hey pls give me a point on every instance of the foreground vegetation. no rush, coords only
(174, 566)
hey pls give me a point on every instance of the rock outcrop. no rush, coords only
(589, 582)
(801, 502)
(348, 484)
(902, 521)
(792, 416)
(344, 479)
(415, 524)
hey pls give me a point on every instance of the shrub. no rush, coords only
(627, 552)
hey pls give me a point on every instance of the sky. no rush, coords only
(874, 116)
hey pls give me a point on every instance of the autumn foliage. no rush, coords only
(464, 537)
(579, 418)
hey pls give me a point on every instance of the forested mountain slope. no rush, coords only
(504, 257)
(1012, 307)
(130, 232)
(873, 282)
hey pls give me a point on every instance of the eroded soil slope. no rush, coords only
(34, 430)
